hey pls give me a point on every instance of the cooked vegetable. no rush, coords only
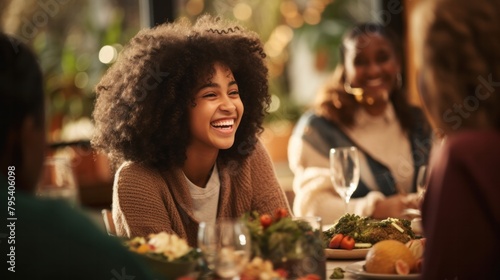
(338, 273)
(365, 230)
(266, 220)
(359, 245)
(335, 241)
(347, 243)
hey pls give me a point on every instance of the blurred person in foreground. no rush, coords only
(42, 239)
(363, 105)
(180, 113)
(458, 58)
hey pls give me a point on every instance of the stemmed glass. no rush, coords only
(422, 180)
(225, 246)
(344, 172)
(58, 180)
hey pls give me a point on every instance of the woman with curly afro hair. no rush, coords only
(179, 115)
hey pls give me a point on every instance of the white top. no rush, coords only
(394, 153)
(206, 200)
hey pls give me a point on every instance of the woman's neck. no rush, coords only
(198, 165)
(374, 107)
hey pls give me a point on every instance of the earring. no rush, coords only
(336, 101)
(399, 80)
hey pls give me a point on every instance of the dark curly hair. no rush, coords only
(335, 104)
(141, 111)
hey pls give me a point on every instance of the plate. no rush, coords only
(353, 254)
(357, 269)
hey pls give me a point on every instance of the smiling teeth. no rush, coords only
(223, 123)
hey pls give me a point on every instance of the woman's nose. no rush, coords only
(374, 69)
(227, 105)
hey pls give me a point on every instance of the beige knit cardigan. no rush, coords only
(147, 201)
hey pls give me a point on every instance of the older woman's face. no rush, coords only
(371, 64)
(217, 112)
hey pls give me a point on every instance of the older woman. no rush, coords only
(364, 106)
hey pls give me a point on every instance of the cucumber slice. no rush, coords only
(362, 245)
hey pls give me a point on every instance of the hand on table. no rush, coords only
(394, 206)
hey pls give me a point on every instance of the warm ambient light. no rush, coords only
(81, 79)
(242, 11)
(108, 54)
(275, 103)
(195, 7)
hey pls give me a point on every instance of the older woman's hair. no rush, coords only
(460, 60)
(141, 112)
(335, 104)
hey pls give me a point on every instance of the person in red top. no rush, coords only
(459, 60)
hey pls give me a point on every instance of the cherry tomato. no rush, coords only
(310, 277)
(347, 243)
(280, 213)
(282, 272)
(266, 220)
(335, 241)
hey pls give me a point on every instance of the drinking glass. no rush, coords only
(58, 181)
(309, 249)
(225, 247)
(422, 180)
(344, 172)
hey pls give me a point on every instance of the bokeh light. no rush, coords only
(275, 103)
(242, 11)
(81, 79)
(194, 7)
(108, 54)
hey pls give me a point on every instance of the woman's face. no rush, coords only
(371, 64)
(217, 112)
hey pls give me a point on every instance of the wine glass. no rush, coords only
(58, 181)
(225, 247)
(422, 180)
(344, 172)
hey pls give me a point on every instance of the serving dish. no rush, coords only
(353, 254)
(358, 270)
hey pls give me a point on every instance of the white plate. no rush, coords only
(357, 269)
(353, 254)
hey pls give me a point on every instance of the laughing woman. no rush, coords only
(179, 114)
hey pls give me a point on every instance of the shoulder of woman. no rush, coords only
(132, 167)
(471, 140)
(260, 150)
(310, 122)
(132, 173)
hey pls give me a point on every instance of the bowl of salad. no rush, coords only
(166, 254)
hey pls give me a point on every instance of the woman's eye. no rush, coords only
(210, 94)
(382, 58)
(360, 61)
(235, 92)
